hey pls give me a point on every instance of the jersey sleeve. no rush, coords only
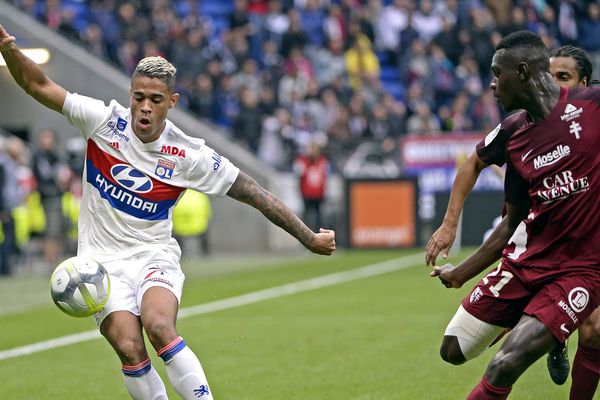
(492, 149)
(211, 173)
(85, 113)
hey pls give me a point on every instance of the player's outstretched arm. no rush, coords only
(443, 238)
(486, 254)
(29, 75)
(247, 190)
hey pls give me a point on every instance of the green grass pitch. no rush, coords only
(373, 338)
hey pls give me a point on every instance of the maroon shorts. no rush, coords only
(561, 299)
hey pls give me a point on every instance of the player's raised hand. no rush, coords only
(323, 242)
(6, 40)
(446, 275)
(441, 241)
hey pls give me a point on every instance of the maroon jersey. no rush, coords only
(492, 149)
(555, 165)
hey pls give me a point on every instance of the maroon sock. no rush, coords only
(585, 374)
(486, 391)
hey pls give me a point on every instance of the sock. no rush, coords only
(184, 371)
(486, 391)
(143, 382)
(585, 373)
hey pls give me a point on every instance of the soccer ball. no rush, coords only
(80, 286)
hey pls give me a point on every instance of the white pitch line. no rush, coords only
(237, 301)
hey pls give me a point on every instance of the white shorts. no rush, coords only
(132, 276)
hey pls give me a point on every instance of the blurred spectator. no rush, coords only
(339, 139)
(361, 62)
(329, 62)
(67, 24)
(313, 170)
(94, 41)
(276, 23)
(188, 55)
(11, 196)
(486, 113)
(590, 29)
(392, 20)
(335, 26)
(49, 172)
(426, 21)
(295, 37)
(469, 78)
(423, 121)
(458, 118)
(202, 98)
(228, 102)
(442, 74)
(313, 20)
(248, 123)
(248, 77)
(191, 220)
(275, 146)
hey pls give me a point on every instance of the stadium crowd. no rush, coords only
(280, 74)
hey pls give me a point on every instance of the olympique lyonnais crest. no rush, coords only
(164, 169)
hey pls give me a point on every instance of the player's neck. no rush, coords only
(543, 96)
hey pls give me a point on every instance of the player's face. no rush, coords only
(565, 72)
(150, 102)
(505, 82)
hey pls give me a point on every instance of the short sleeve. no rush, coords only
(85, 113)
(210, 172)
(492, 149)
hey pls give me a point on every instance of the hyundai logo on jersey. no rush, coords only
(121, 124)
(127, 189)
(131, 178)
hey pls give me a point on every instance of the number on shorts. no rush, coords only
(506, 276)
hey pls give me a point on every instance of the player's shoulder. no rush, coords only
(516, 121)
(504, 130)
(181, 144)
(585, 93)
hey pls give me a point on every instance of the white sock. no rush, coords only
(185, 372)
(143, 382)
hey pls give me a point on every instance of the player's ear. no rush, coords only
(523, 71)
(173, 100)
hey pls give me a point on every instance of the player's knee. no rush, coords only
(502, 368)
(160, 332)
(589, 331)
(450, 351)
(131, 351)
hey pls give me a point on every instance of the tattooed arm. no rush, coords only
(247, 190)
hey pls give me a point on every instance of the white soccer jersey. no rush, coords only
(131, 187)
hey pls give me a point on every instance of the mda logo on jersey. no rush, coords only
(131, 178)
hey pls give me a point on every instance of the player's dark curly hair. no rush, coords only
(584, 63)
(529, 45)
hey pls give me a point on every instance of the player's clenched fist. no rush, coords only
(6, 40)
(323, 242)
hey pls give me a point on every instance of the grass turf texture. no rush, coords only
(373, 338)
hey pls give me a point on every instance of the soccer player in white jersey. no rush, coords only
(137, 166)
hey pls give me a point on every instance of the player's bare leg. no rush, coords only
(526, 343)
(586, 366)
(123, 330)
(158, 314)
